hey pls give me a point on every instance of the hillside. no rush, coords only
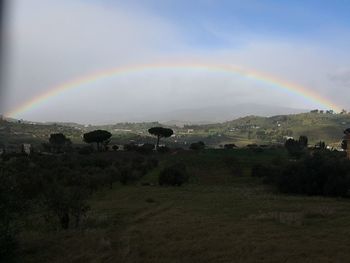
(241, 131)
(222, 215)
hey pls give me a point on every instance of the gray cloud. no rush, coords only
(51, 42)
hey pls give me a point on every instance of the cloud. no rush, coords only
(51, 42)
(341, 77)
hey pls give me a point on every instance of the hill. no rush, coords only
(216, 114)
(223, 214)
(250, 129)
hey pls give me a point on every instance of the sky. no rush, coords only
(52, 42)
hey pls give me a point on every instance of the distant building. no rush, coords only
(122, 130)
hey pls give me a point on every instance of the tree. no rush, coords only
(98, 137)
(160, 132)
(321, 145)
(294, 148)
(58, 141)
(303, 141)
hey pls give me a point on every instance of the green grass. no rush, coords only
(204, 224)
(218, 217)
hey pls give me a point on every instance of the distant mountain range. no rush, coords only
(205, 115)
(208, 115)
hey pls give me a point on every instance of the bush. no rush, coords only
(101, 163)
(15, 192)
(85, 150)
(197, 146)
(174, 175)
(321, 174)
(234, 165)
(230, 146)
(258, 150)
(295, 148)
(130, 147)
(267, 172)
(146, 148)
(65, 197)
(259, 170)
(128, 175)
(152, 163)
(163, 149)
(8, 246)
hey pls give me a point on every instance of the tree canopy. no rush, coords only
(58, 141)
(160, 132)
(97, 136)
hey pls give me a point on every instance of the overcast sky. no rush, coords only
(50, 42)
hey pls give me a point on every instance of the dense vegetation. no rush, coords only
(69, 192)
(113, 205)
(54, 189)
(242, 131)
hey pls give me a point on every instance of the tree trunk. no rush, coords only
(158, 138)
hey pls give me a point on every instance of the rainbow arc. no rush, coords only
(272, 81)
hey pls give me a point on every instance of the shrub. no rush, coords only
(17, 188)
(174, 175)
(65, 197)
(234, 165)
(259, 170)
(258, 150)
(101, 163)
(163, 149)
(115, 148)
(85, 150)
(197, 146)
(128, 175)
(8, 246)
(10, 206)
(146, 148)
(295, 148)
(230, 146)
(321, 174)
(130, 147)
(269, 173)
(152, 163)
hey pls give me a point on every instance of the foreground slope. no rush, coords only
(222, 215)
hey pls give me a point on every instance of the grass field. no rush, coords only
(220, 216)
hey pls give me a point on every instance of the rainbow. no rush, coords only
(232, 69)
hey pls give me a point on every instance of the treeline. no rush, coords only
(310, 171)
